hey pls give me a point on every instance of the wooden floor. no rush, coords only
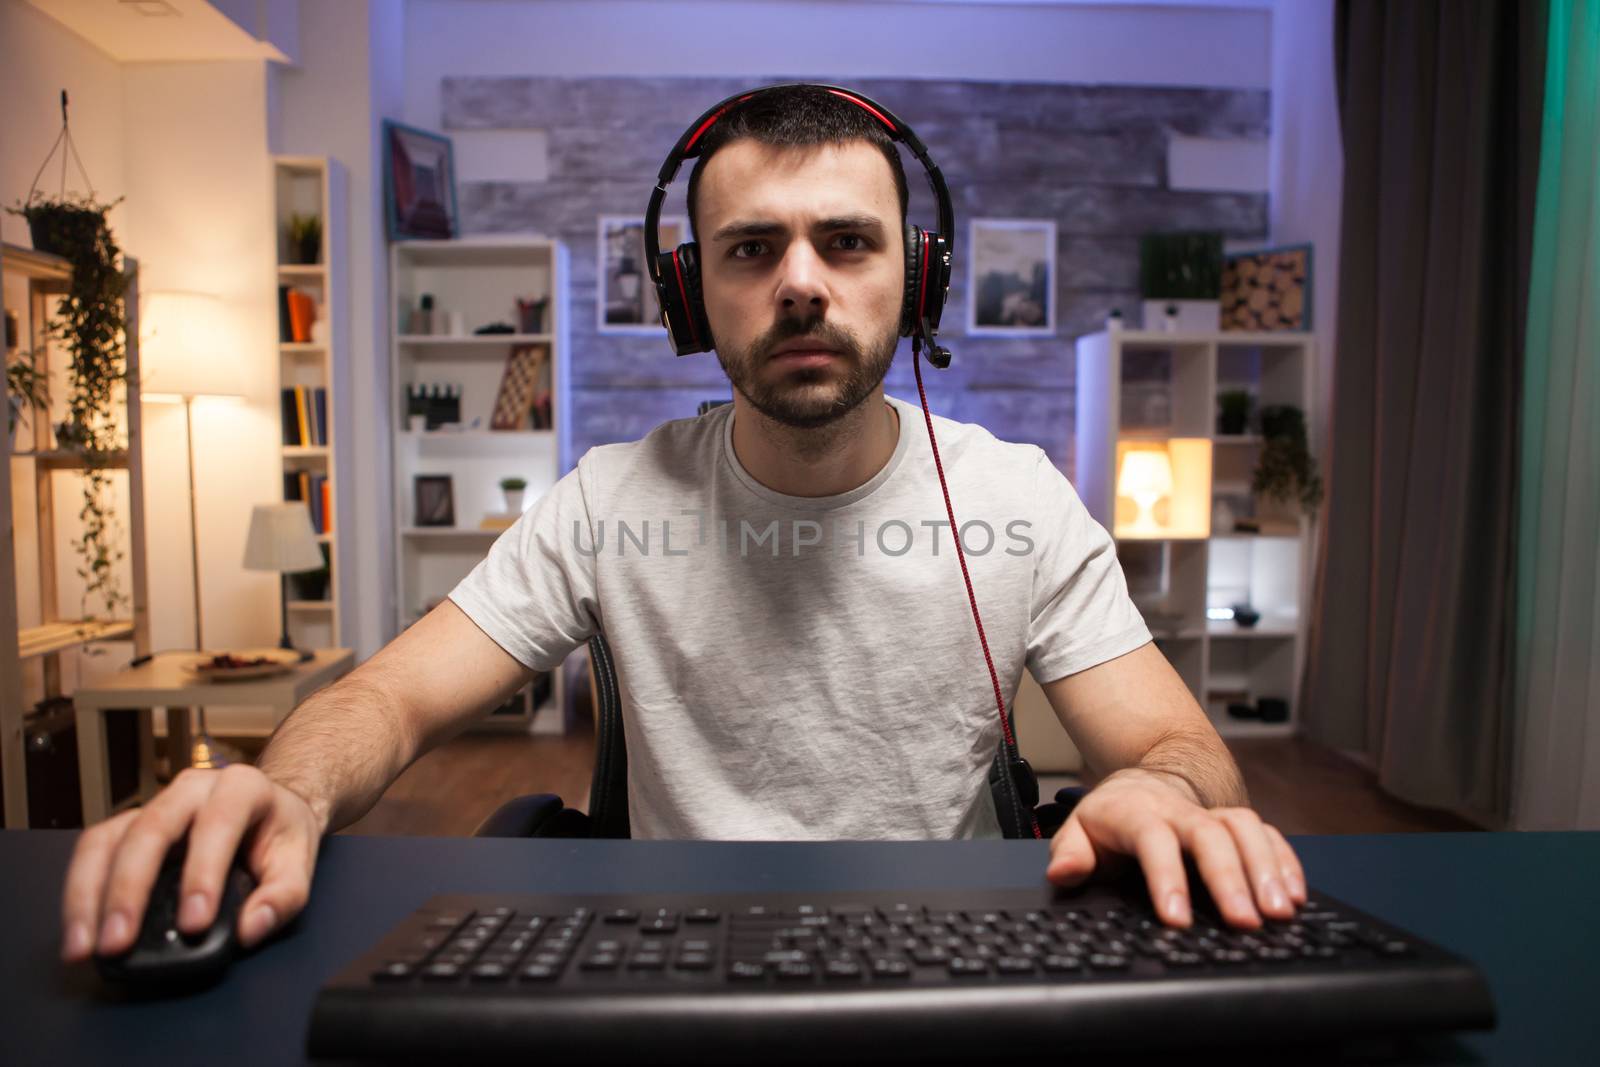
(1297, 786)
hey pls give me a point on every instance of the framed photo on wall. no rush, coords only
(435, 500)
(1011, 277)
(419, 183)
(625, 301)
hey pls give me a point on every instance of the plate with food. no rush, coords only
(229, 667)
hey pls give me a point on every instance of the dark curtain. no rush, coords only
(1411, 656)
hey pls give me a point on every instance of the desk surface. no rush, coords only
(163, 680)
(1520, 905)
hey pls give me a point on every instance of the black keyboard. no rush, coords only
(887, 975)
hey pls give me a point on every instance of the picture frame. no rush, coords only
(419, 183)
(434, 500)
(1011, 277)
(625, 299)
(1268, 289)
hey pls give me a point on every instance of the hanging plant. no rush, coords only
(89, 323)
(1285, 471)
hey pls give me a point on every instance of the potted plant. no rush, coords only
(90, 325)
(305, 238)
(513, 489)
(1235, 411)
(25, 387)
(1285, 470)
(1182, 269)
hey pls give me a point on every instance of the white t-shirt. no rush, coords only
(808, 667)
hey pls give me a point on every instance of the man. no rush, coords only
(780, 586)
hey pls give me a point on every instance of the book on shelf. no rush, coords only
(296, 312)
(314, 491)
(305, 416)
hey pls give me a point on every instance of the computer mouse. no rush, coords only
(163, 957)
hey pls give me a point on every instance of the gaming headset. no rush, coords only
(929, 253)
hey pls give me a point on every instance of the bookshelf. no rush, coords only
(39, 482)
(454, 439)
(313, 371)
(1140, 387)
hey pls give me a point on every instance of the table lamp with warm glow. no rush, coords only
(1146, 477)
(281, 540)
(183, 355)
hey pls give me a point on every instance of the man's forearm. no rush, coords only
(341, 748)
(1202, 766)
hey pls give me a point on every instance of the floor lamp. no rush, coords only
(185, 360)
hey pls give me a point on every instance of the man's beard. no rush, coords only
(806, 397)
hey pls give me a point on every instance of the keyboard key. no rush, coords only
(441, 972)
(1014, 965)
(842, 969)
(794, 971)
(890, 967)
(650, 962)
(538, 972)
(489, 972)
(621, 916)
(1063, 964)
(604, 961)
(694, 961)
(744, 970)
(1101, 961)
(395, 971)
(968, 965)
(701, 915)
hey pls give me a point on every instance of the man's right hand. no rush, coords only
(115, 863)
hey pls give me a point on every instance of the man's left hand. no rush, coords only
(1148, 815)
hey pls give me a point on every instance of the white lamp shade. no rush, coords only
(281, 539)
(183, 347)
(1145, 472)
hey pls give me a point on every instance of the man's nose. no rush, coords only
(802, 289)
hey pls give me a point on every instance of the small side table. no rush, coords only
(162, 682)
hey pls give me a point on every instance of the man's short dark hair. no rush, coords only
(792, 117)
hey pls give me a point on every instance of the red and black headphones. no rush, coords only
(929, 253)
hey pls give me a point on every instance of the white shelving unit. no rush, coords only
(35, 637)
(480, 279)
(317, 185)
(1140, 385)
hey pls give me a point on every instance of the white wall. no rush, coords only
(200, 219)
(1307, 171)
(332, 103)
(1089, 43)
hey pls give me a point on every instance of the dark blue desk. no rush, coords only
(1522, 906)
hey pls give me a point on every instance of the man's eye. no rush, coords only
(743, 244)
(861, 245)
